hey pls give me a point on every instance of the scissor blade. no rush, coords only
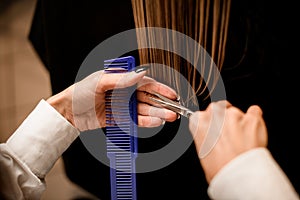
(171, 105)
(166, 99)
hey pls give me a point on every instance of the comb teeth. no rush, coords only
(119, 65)
(121, 132)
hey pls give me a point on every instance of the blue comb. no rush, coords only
(121, 132)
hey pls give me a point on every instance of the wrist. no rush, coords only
(62, 103)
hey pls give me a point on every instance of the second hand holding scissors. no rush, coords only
(175, 106)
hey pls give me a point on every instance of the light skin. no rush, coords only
(94, 87)
(240, 132)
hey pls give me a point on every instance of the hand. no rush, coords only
(239, 131)
(83, 103)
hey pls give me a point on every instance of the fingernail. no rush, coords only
(178, 98)
(141, 68)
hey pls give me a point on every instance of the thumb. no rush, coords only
(121, 80)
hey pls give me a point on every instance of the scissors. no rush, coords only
(175, 106)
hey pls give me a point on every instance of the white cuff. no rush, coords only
(42, 138)
(252, 175)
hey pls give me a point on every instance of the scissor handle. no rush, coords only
(171, 105)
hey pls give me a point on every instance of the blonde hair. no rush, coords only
(203, 20)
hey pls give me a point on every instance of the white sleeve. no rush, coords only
(31, 152)
(252, 175)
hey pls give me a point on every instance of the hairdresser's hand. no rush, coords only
(240, 132)
(83, 104)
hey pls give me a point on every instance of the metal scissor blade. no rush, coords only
(171, 105)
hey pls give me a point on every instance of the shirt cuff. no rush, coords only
(42, 138)
(252, 175)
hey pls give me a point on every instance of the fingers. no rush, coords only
(145, 84)
(254, 120)
(149, 121)
(206, 126)
(149, 85)
(255, 110)
(144, 97)
(118, 80)
(200, 119)
(148, 115)
(162, 113)
(232, 122)
(149, 109)
(223, 104)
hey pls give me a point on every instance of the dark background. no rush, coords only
(260, 68)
